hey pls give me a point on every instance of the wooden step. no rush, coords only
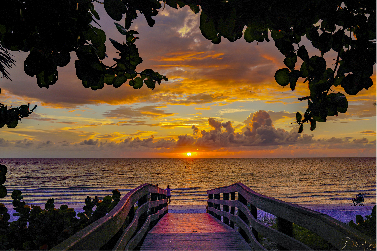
(193, 232)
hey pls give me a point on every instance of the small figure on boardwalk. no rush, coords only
(358, 200)
(168, 193)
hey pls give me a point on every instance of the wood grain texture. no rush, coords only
(193, 232)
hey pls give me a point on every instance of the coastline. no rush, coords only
(342, 212)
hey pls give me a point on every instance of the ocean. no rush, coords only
(317, 183)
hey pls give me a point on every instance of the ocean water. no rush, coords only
(310, 182)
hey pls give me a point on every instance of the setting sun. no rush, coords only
(188, 154)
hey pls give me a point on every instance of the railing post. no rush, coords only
(154, 197)
(232, 209)
(217, 206)
(210, 204)
(226, 207)
(154, 209)
(285, 227)
(130, 216)
(144, 216)
(243, 217)
(254, 212)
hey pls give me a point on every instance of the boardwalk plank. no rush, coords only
(193, 232)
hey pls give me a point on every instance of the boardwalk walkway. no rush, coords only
(199, 231)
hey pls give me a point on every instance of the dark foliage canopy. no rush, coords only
(50, 30)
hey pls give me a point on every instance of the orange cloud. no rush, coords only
(189, 55)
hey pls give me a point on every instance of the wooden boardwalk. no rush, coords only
(127, 227)
(198, 231)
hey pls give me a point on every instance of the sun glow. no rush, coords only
(188, 154)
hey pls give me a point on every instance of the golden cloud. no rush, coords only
(189, 55)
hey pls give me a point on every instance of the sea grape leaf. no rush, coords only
(62, 59)
(136, 83)
(195, 8)
(352, 84)
(121, 29)
(115, 9)
(119, 80)
(313, 124)
(298, 117)
(255, 33)
(301, 128)
(290, 61)
(282, 76)
(3, 191)
(208, 29)
(303, 53)
(293, 77)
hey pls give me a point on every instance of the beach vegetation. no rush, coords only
(366, 225)
(301, 234)
(38, 228)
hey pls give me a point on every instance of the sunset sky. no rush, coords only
(220, 101)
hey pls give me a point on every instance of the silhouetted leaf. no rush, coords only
(119, 80)
(313, 124)
(195, 8)
(282, 76)
(301, 128)
(208, 29)
(121, 29)
(275, 34)
(317, 65)
(302, 53)
(290, 61)
(298, 117)
(109, 79)
(293, 77)
(33, 63)
(3, 171)
(338, 40)
(94, 12)
(284, 46)
(62, 59)
(352, 84)
(17, 195)
(304, 70)
(130, 16)
(115, 9)
(117, 45)
(325, 40)
(12, 124)
(255, 33)
(136, 83)
(3, 191)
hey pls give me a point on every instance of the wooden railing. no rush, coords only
(237, 206)
(125, 226)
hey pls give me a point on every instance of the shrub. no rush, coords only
(38, 228)
(367, 225)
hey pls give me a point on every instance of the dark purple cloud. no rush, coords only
(89, 142)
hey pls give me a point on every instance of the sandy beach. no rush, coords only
(343, 213)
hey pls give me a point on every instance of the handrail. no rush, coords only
(122, 221)
(331, 230)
